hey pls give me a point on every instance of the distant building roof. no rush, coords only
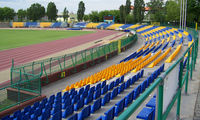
(146, 8)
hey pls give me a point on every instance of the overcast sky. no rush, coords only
(72, 5)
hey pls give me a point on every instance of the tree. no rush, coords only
(193, 13)
(86, 17)
(1, 14)
(65, 14)
(122, 13)
(21, 14)
(35, 12)
(94, 16)
(81, 11)
(157, 11)
(51, 11)
(138, 12)
(172, 11)
(128, 6)
(7, 13)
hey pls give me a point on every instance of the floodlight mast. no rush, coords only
(183, 14)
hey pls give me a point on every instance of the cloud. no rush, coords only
(72, 5)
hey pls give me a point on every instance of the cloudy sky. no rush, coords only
(72, 5)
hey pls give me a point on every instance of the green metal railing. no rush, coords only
(20, 92)
(55, 64)
(159, 83)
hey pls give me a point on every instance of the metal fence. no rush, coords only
(25, 79)
(55, 64)
(20, 92)
(163, 109)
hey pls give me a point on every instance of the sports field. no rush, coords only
(18, 38)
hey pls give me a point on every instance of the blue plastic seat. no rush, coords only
(116, 82)
(110, 114)
(87, 87)
(66, 103)
(128, 99)
(143, 86)
(146, 114)
(84, 113)
(121, 88)
(121, 79)
(91, 90)
(84, 95)
(133, 80)
(114, 93)
(68, 111)
(103, 84)
(81, 90)
(88, 99)
(106, 99)
(151, 103)
(98, 86)
(96, 105)
(75, 99)
(111, 85)
(127, 83)
(73, 117)
(104, 90)
(137, 91)
(79, 104)
(57, 116)
(119, 107)
(141, 73)
(97, 94)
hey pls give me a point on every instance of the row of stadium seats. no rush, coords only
(82, 99)
(37, 24)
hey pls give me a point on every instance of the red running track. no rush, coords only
(32, 52)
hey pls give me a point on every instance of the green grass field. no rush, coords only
(10, 38)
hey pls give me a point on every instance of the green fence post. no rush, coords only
(18, 85)
(179, 96)
(50, 65)
(187, 72)
(160, 101)
(11, 71)
(191, 63)
(64, 61)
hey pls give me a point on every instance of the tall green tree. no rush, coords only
(193, 11)
(81, 11)
(128, 6)
(65, 14)
(1, 14)
(172, 11)
(36, 12)
(122, 13)
(52, 11)
(21, 14)
(138, 12)
(157, 11)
